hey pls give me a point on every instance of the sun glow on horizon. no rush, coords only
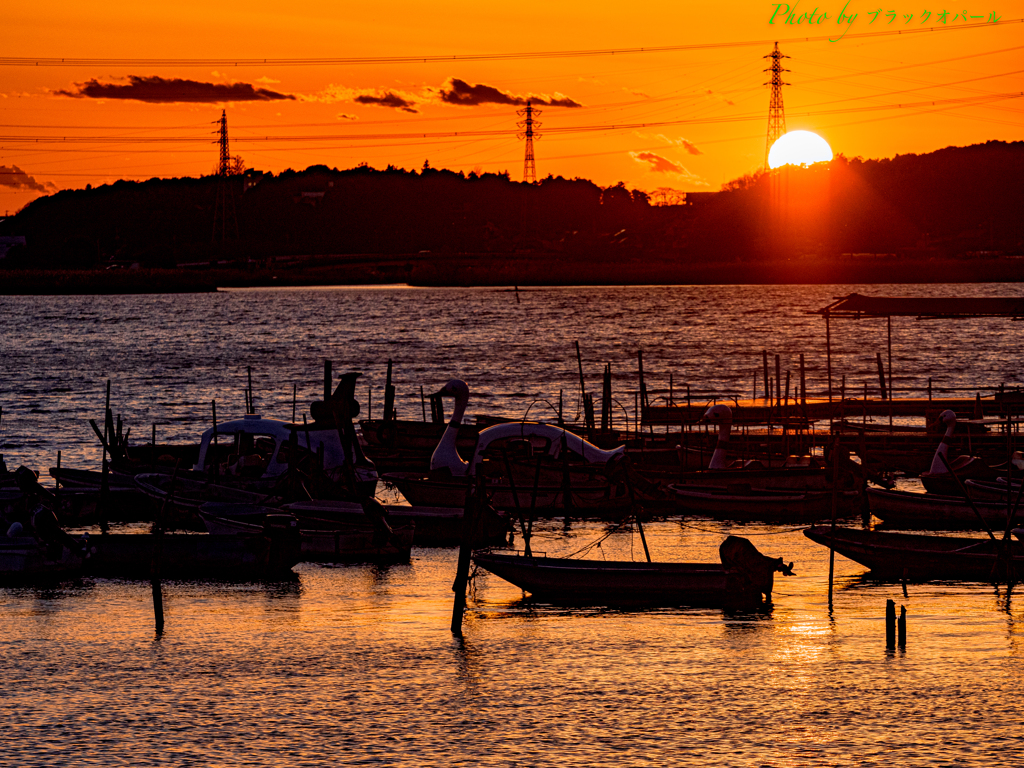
(799, 148)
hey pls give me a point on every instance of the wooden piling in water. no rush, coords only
(890, 624)
(465, 553)
(389, 396)
(803, 382)
(881, 376)
(643, 384)
(835, 507)
(154, 569)
(105, 468)
(767, 387)
(902, 627)
(579, 362)
(778, 379)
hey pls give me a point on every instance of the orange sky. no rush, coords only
(714, 97)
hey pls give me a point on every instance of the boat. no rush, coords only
(434, 526)
(40, 549)
(939, 479)
(270, 553)
(931, 510)
(253, 454)
(992, 490)
(740, 579)
(739, 501)
(918, 556)
(181, 498)
(584, 471)
(803, 473)
(321, 540)
(259, 449)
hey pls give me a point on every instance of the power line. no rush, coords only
(963, 101)
(42, 61)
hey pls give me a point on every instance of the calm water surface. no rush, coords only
(355, 665)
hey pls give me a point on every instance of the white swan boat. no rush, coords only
(545, 446)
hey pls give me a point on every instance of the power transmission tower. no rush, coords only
(776, 112)
(225, 200)
(224, 168)
(529, 133)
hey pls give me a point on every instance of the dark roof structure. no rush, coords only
(857, 306)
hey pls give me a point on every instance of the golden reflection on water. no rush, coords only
(355, 664)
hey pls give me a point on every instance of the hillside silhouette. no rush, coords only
(953, 203)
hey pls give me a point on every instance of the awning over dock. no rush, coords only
(856, 306)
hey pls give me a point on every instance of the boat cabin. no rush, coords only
(256, 447)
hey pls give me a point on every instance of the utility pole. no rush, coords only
(529, 133)
(776, 112)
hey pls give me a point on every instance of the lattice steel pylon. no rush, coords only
(224, 207)
(529, 126)
(224, 168)
(776, 112)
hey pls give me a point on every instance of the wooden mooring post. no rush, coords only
(474, 487)
(835, 505)
(890, 624)
(901, 627)
(389, 396)
(767, 386)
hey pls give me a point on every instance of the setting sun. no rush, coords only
(799, 148)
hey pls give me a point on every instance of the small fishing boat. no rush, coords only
(916, 556)
(26, 558)
(930, 510)
(992, 490)
(39, 548)
(743, 576)
(739, 501)
(189, 493)
(434, 526)
(797, 473)
(321, 540)
(270, 553)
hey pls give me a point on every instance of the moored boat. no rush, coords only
(193, 556)
(743, 576)
(931, 510)
(740, 501)
(917, 556)
(321, 540)
(434, 526)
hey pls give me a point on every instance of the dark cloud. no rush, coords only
(388, 99)
(689, 147)
(460, 92)
(659, 164)
(159, 90)
(16, 178)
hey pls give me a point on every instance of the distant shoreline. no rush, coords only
(531, 269)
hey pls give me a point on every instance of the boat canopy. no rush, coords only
(857, 305)
(276, 434)
(546, 438)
